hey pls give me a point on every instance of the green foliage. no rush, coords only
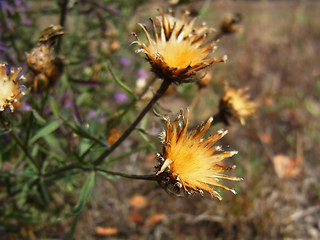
(48, 145)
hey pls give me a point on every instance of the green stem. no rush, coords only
(63, 5)
(60, 170)
(164, 86)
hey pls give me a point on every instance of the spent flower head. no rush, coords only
(236, 106)
(178, 50)
(10, 88)
(231, 24)
(189, 162)
(45, 68)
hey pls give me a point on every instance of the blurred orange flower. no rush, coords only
(235, 105)
(189, 163)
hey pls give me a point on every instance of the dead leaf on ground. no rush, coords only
(265, 138)
(155, 219)
(106, 231)
(138, 201)
(136, 217)
(287, 167)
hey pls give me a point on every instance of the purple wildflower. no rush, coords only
(120, 98)
(125, 61)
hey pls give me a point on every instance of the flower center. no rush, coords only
(6, 89)
(179, 54)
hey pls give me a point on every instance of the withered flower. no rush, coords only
(49, 34)
(45, 68)
(10, 88)
(189, 162)
(236, 106)
(231, 24)
(178, 51)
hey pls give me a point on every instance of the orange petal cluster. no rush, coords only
(235, 105)
(178, 51)
(189, 162)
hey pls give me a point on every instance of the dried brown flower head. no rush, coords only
(10, 90)
(236, 106)
(231, 24)
(45, 68)
(49, 34)
(189, 163)
(41, 56)
(178, 51)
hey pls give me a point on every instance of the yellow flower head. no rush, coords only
(10, 91)
(189, 163)
(235, 105)
(177, 51)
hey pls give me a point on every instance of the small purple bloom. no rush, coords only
(120, 97)
(125, 61)
(19, 5)
(27, 21)
(141, 73)
(25, 107)
(7, 7)
(92, 113)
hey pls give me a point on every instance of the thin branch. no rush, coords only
(151, 177)
(163, 88)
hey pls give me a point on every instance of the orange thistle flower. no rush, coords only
(189, 163)
(235, 105)
(179, 52)
(10, 90)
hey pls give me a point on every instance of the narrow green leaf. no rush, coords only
(120, 83)
(35, 150)
(73, 228)
(49, 128)
(85, 193)
(38, 117)
(54, 107)
(44, 192)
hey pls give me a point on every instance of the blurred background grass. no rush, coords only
(274, 54)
